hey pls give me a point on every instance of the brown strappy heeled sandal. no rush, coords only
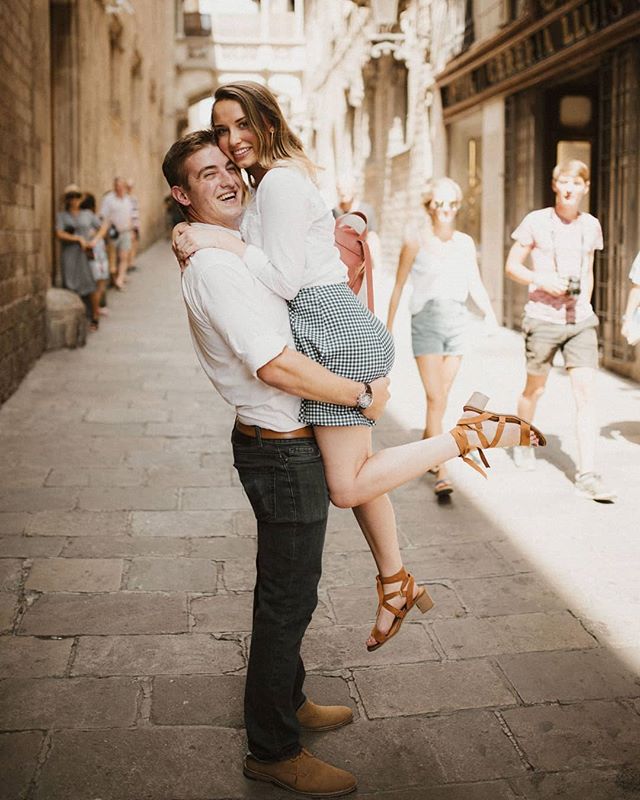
(422, 600)
(474, 424)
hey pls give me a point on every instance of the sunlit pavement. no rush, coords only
(127, 567)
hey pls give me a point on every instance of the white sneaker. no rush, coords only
(590, 485)
(524, 458)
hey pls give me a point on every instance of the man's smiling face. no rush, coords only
(214, 189)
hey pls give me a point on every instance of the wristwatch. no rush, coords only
(365, 398)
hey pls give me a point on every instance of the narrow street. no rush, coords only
(126, 570)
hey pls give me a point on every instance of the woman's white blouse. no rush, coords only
(443, 270)
(290, 222)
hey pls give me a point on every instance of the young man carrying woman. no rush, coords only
(288, 245)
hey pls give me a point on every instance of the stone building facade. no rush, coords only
(86, 93)
(524, 85)
(368, 88)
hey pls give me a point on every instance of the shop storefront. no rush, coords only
(560, 81)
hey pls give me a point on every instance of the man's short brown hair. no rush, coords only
(173, 165)
(572, 167)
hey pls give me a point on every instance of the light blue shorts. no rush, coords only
(440, 328)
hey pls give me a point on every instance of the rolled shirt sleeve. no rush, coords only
(225, 291)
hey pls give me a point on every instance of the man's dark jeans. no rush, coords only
(284, 481)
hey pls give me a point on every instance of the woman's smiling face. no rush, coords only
(234, 135)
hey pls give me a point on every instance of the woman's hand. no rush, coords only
(187, 240)
(381, 395)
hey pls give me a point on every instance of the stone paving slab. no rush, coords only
(10, 574)
(567, 676)
(430, 688)
(124, 546)
(110, 613)
(582, 735)
(221, 614)
(38, 499)
(18, 762)
(190, 524)
(491, 790)
(517, 633)
(172, 574)
(97, 477)
(12, 522)
(79, 523)
(162, 763)
(27, 478)
(56, 703)
(156, 655)
(619, 784)
(75, 575)
(30, 546)
(340, 647)
(26, 656)
(455, 560)
(122, 498)
(508, 594)
(8, 610)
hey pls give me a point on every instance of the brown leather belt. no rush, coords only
(265, 433)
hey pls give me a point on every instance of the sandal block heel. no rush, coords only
(476, 405)
(424, 602)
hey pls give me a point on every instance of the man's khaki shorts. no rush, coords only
(578, 343)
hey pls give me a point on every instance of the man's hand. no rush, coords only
(551, 283)
(381, 395)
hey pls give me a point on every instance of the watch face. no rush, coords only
(365, 400)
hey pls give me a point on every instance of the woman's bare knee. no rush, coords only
(343, 499)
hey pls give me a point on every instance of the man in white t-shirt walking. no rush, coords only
(561, 242)
(117, 209)
(242, 337)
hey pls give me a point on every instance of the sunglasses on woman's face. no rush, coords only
(446, 205)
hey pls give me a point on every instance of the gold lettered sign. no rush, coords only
(578, 23)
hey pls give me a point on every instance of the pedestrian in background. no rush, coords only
(444, 270)
(98, 258)
(74, 228)
(117, 210)
(135, 225)
(561, 241)
(631, 317)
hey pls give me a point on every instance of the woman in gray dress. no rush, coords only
(75, 228)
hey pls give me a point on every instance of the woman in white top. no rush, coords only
(289, 221)
(444, 271)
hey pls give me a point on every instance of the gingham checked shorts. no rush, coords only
(331, 326)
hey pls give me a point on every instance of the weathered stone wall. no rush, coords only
(25, 170)
(125, 103)
(84, 95)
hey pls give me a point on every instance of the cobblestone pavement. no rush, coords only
(126, 571)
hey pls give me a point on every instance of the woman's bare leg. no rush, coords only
(437, 373)
(378, 524)
(360, 480)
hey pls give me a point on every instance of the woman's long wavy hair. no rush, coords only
(262, 111)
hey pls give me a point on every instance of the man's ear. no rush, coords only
(587, 185)
(180, 196)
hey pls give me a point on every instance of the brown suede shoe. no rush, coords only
(304, 774)
(313, 717)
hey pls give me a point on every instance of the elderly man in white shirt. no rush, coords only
(117, 210)
(242, 337)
